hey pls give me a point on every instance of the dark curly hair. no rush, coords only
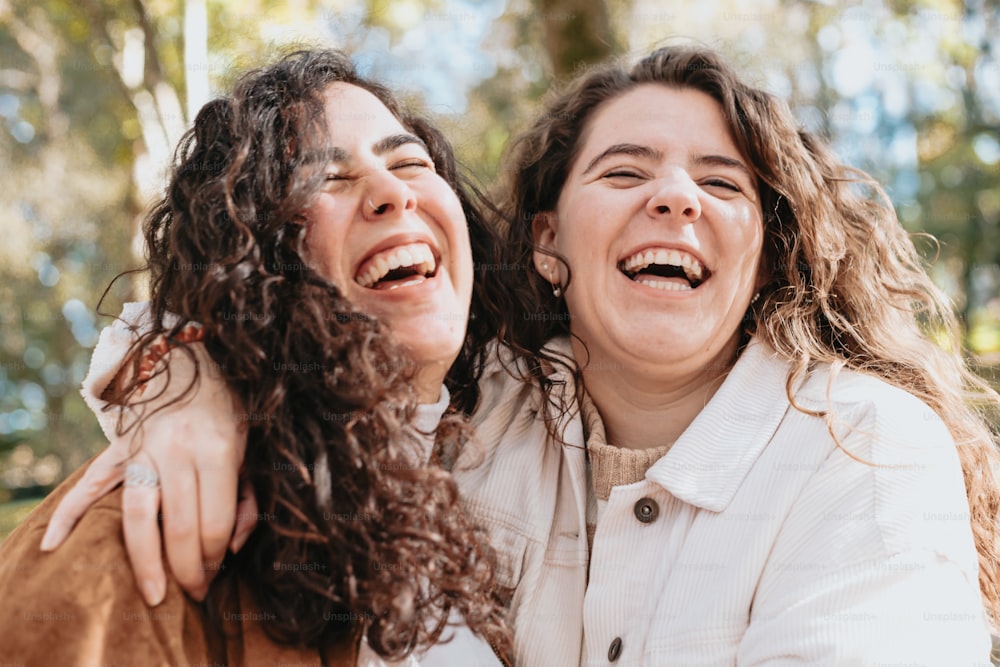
(358, 536)
(845, 284)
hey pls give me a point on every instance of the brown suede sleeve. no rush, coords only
(79, 605)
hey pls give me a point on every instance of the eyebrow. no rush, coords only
(394, 141)
(722, 161)
(634, 150)
(381, 147)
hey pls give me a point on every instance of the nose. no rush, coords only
(386, 195)
(676, 198)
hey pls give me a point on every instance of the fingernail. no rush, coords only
(239, 540)
(50, 540)
(152, 592)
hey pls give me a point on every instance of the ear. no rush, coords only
(543, 232)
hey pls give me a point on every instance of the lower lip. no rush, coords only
(662, 293)
(410, 289)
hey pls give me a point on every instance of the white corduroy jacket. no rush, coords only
(760, 542)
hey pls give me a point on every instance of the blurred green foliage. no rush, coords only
(93, 96)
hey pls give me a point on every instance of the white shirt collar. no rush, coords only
(425, 423)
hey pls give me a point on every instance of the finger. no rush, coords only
(140, 506)
(218, 495)
(179, 499)
(104, 473)
(246, 517)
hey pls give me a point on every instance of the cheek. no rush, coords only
(324, 247)
(460, 237)
(463, 268)
(446, 209)
(743, 232)
(459, 243)
(755, 244)
(593, 224)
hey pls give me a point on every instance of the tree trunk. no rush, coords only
(577, 33)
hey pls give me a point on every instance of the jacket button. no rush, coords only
(615, 649)
(646, 510)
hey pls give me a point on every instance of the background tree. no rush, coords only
(94, 95)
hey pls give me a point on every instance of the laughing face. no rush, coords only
(390, 232)
(660, 223)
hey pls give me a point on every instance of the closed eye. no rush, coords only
(721, 183)
(334, 182)
(621, 173)
(414, 163)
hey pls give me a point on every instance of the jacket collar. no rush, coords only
(709, 462)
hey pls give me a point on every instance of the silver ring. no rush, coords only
(372, 204)
(137, 474)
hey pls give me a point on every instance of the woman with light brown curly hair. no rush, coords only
(727, 419)
(284, 191)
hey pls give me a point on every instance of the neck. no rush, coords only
(643, 410)
(428, 381)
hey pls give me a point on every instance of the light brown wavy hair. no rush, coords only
(845, 286)
(356, 536)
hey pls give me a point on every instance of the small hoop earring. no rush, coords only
(557, 289)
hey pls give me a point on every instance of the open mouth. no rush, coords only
(666, 269)
(401, 266)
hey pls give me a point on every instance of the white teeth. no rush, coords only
(694, 270)
(418, 255)
(692, 267)
(667, 285)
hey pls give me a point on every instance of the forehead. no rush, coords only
(662, 117)
(354, 115)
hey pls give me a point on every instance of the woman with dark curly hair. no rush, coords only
(727, 420)
(299, 206)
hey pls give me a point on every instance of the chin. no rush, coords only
(429, 344)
